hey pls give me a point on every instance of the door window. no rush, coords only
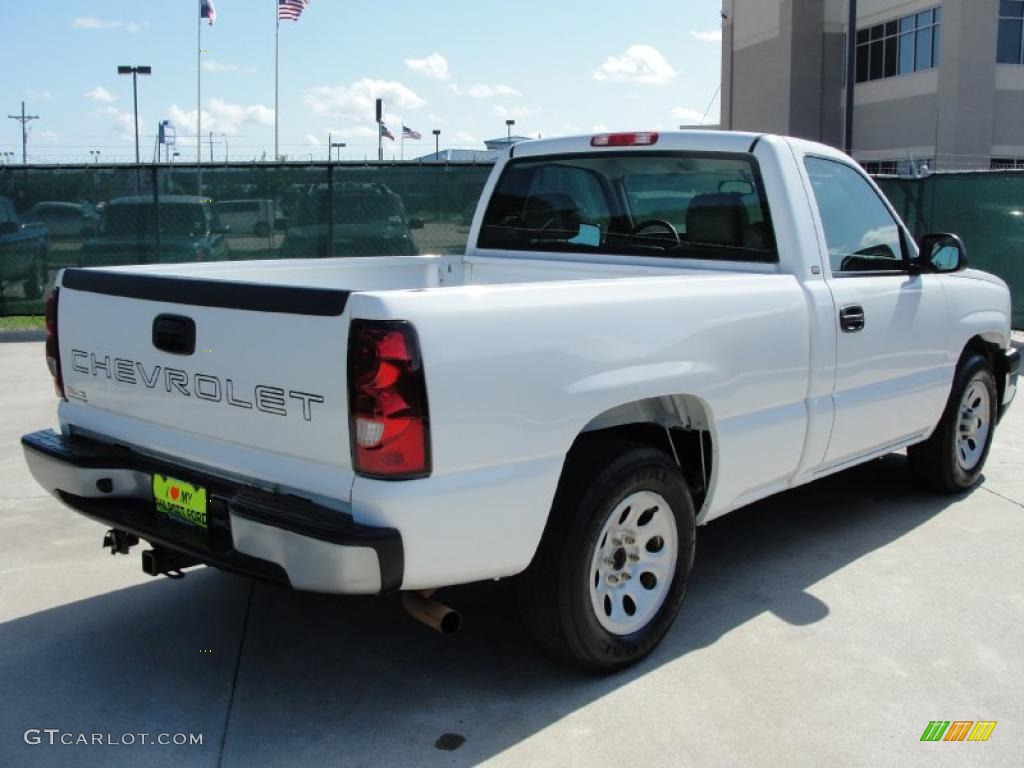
(861, 234)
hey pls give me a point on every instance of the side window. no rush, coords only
(861, 234)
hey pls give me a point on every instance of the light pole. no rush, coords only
(437, 143)
(95, 154)
(330, 150)
(508, 125)
(227, 148)
(135, 72)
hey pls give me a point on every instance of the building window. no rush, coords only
(909, 44)
(1010, 49)
(881, 167)
(1007, 164)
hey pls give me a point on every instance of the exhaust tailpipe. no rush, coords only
(435, 615)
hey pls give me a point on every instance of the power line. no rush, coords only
(24, 120)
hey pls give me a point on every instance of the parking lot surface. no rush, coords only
(825, 626)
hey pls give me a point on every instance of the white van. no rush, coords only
(258, 217)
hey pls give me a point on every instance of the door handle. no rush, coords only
(851, 318)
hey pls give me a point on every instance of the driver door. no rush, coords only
(891, 378)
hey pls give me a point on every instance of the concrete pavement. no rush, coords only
(825, 626)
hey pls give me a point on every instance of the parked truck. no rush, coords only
(646, 332)
(23, 252)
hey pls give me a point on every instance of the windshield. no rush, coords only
(682, 205)
(138, 219)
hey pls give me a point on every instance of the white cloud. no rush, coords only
(223, 117)
(91, 22)
(639, 64)
(46, 137)
(312, 140)
(124, 122)
(41, 95)
(99, 93)
(600, 128)
(483, 91)
(466, 138)
(708, 36)
(434, 66)
(456, 89)
(356, 100)
(688, 116)
(513, 112)
(212, 65)
(435, 119)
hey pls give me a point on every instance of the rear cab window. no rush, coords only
(669, 204)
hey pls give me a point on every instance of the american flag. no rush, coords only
(207, 11)
(290, 10)
(385, 133)
(409, 133)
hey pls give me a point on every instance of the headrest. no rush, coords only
(719, 218)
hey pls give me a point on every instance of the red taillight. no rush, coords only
(388, 425)
(53, 343)
(642, 139)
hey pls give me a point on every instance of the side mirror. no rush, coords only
(10, 228)
(941, 253)
(416, 223)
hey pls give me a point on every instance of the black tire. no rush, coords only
(35, 283)
(935, 462)
(554, 592)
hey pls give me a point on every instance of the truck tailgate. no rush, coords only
(264, 388)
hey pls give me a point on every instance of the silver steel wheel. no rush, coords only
(633, 563)
(973, 425)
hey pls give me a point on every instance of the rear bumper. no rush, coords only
(267, 535)
(1009, 368)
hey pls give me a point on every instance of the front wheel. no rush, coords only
(613, 565)
(952, 459)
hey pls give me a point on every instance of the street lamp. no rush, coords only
(508, 125)
(95, 153)
(437, 143)
(226, 147)
(331, 148)
(135, 72)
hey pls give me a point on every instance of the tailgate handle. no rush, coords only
(175, 334)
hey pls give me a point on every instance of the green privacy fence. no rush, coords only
(985, 208)
(52, 218)
(102, 215)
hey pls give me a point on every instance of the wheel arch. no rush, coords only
(680, 425)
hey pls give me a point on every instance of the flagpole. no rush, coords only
(277, 35)
(402, 155)
(199, 99)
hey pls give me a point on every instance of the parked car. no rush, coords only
(64, 221)
(23, 252)
(369, 220)
(180, 228)
(563, 404)
(257, 217)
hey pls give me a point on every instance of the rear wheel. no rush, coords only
(952, 459)
(612, 569)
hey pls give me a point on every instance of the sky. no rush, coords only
(463, 67)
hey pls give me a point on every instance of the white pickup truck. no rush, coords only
(646, 331)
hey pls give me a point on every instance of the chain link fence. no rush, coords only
(985, 208)
(52, 218)
(105, 215)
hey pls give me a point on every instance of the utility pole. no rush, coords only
(211, 147)
(24, 120)
(437, 143)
